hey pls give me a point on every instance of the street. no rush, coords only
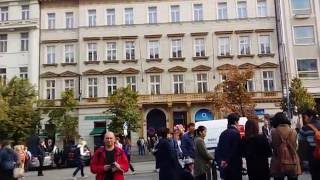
(144, 171)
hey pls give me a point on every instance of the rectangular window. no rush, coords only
(175, 13)
(264, 44)
(242, 9)
(262, 8)
(202, 82)
(301, 6)
(51, 89)
(69, 53)
(111, 51)
(132, 83)
(250, 85)
(199, 47)
(92, 52)
(111, 85)
(268, 80)
(308, 68)
(153, 49)
(51, 20)
(3, 76)
(197, 12)
(92, 87)
(176, 48)
(130, 50)
(24, 41)
(155, 84)
(244, 45)
(224, 46)
(23, 72)
(222, 10)
(92, 18)
(152, 13)
(111, 17)
(51, 54)
(69, 84)
(3, 42)
(178, 85)
(304, 35)
(69, 20)
(128, 16)
(25, 12)
(4, 13)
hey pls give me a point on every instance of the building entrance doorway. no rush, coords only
(156, 119)
(180, 118)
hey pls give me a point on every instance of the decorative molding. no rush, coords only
(199, 34)
(69, 74)
(177, 59)
(48, 75)
(223, 32)
(226, 67)
(268, 65)
(50, 65)
(111, 62)
(153, 36)
(200, 58)
(175, 35)
(129, 37)
(244, 31)
(225, 57)
(59, 41)
(177, 69)
(154, 70)
(129, 61)
(110, 72)
(111, 38)
(263, 30)
(91, 62)
(201, 68)
(91, 38)
(245, 56)
(247, 66)
(266, 55)
(91, 72)
(130, 71)
(154, 60)
(68, 64)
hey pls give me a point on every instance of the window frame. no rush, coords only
(225, 48)
(113, 85)
(224, 10)
(180, 84)
(51, 20)
(111, 51)
(51, 89)
(199, 12)
(153, 86)
(23, 74)
(112, 17)
(131, 82)
(155, 49)
(92, 18)
(3, 76)
(304, 44)
(3, 43)
(246, 45)
(259, 44)
(268, 79)
(129, 21)
(298, 72)
(69, 18)
(177, 14)
(132, 50)
(51, 54)
(196, 46)
(69, 53)
(176, 47)
(94, 87)
(25, 12)
(24, 41)
(4, 15)
(243, 16)
(294, 11)
(69, 87)
(265, 7)
(201, 82)
(93, 50)
(152, 15)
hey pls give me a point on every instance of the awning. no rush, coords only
(97, 131)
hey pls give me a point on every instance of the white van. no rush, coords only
(215, 128)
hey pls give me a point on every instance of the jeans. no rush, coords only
(142, 150)
(80, 167)
(282, 178)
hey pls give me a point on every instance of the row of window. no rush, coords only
(23, 73)
(155, 84)
(153, 49)
(153, 14)
(24, 42)
(4, 13)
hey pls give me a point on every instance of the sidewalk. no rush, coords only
(136, 158)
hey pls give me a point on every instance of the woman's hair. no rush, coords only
(279, 118)
(163, 132)
(200, 129)
(251, 128)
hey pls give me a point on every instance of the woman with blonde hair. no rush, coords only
(19, 149)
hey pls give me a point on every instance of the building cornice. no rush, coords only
(201, 68)
(59, 41)
(226, 67)
(247, 66)
(154, 70)
(177, 69)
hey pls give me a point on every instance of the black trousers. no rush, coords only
(130, 165)
(201, 177)
(289, 178)
(314, 166)
(40, 168)
(80, 167)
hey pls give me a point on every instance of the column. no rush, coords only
(170, 116)
(189, 113)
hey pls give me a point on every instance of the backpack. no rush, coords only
(316, 152)
(74, 152)
(288, 157)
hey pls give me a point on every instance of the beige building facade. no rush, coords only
(172, 52)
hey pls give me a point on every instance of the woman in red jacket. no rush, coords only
(109, 162)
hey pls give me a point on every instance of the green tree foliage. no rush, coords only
(299, 97)
(232, 95)
(18, 114)
(124, 108)
(61, 117)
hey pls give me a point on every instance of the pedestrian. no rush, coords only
(51, 147)
(139, 146)
(285, 161)
(109, 162)
(203, 160)
(266, 128)
(256, 150)
(143, 146)
(79, 159)
(177, 134)
(118, 143)
(8, 161)
(19, 150)
(127, 150)
(187, 173)
(228, 152)
(28, 159)
(187, 142)
(166, 157)
(307, 139)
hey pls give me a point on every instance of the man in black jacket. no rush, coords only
(228, 152)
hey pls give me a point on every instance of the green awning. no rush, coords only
(97, 131)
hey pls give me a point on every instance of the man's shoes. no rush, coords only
(133, 173)
(40, 174)
(84, 177)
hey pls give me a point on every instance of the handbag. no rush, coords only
(18, 172)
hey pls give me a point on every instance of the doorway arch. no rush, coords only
(156, 119)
